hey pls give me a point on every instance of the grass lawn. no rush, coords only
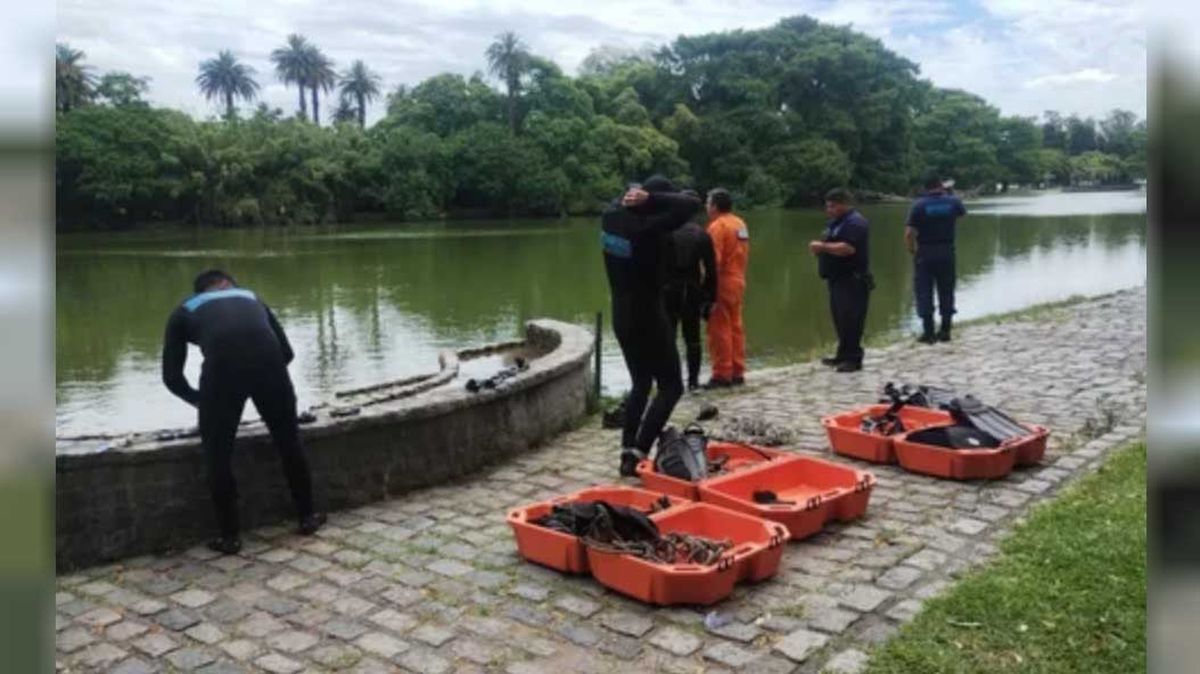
(1066, 594)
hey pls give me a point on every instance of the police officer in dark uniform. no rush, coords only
(691, 287)
(842, 260)
(929, 237)
(633, 233)
(246, 355)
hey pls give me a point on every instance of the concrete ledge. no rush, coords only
(144, 495)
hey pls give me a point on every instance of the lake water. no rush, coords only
(362, 305)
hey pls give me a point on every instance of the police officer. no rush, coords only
(246, 354)
(633, 233)
(929, 237)
(691, 287)
(842, 260)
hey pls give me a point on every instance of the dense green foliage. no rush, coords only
(778, 115)
(1067, 594)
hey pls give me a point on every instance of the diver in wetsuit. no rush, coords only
(246, 355)
(691, 287)
(632, 233)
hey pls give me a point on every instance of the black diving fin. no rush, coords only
(970, 411)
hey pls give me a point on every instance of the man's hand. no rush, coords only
(635, 197)
(816, 247)
(706, 310)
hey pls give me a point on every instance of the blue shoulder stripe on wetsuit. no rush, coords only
(195, 301)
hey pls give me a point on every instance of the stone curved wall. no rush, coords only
(148, 496)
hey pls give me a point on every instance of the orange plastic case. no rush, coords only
(819, 491)
(757, 550)
(740, 456)
(847, 438)
(1031, 450)
(955, 464)
(564, 552)
(972, 464)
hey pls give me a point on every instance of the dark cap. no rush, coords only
(658, 183)
(839, 195)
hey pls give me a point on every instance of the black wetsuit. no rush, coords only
(933, 216)
(245, 356)
(850, 283)
(633, 240)
(691, 283)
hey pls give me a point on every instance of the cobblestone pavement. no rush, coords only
(431, 582)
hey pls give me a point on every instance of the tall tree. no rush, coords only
(121, 89)
(508, 59)
(319, 75)
(225, 78)
(290, 66)
(73, 81)
(344, 113)
(362, 85)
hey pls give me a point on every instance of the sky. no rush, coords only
(1024, 56)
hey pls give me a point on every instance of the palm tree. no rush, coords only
(508, 58)
(318, 74)
(290, 66)
(362, 85)
(344, 113)
(225, 78)
(73, 81)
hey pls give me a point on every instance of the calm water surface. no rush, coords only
(366, 304)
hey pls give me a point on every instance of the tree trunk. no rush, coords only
(228, 105)
(303, 102)
(316, 117)
(362, 111)
(512, 112)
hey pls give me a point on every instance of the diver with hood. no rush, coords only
(634, 230)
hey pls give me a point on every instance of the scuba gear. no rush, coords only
(919, 395)
(969, 411)
(614, 528)
(599, 519)
(682, 455)
(497, 380)
(958, 436)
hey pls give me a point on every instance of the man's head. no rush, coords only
(212, 279)
(658, 183)
(719, 201)
(837, 201)
(933, 182)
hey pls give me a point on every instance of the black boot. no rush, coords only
(944, 333)
(309, 524)
(927, 336)
(226, 545)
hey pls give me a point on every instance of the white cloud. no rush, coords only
(1085, 76)
(994, 50)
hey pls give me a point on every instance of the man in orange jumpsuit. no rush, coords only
(726, 338)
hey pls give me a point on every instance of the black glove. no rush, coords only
(706, 310)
